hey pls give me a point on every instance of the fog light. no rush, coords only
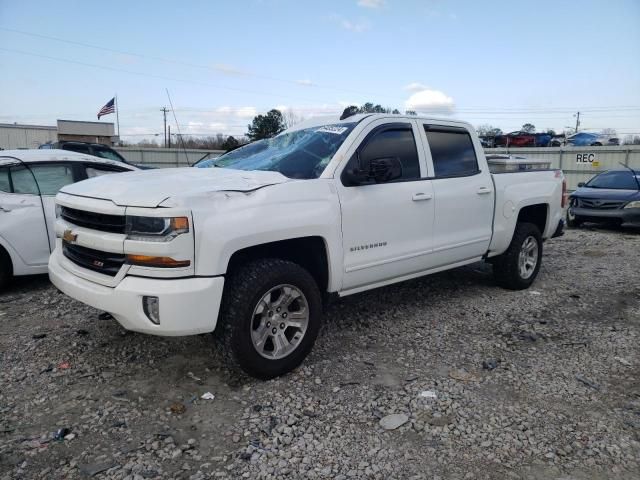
(151, 307)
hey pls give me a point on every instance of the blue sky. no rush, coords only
(500, 62)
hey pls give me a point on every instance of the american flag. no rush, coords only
(108, 108)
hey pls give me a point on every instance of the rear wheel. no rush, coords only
(518, 267)
(6, 269)
(270, 316)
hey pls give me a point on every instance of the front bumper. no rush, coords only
(187, 305)
(631, 215)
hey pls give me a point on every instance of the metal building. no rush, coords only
(15, 135)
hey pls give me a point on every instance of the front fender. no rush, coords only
(232, 221)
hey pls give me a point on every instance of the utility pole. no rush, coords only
(164, 111)
(169, 137)
(577, 121)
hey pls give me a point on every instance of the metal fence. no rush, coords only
(579, 164)
(165, 157)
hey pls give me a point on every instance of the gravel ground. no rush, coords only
(542, 384)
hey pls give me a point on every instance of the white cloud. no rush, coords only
(224, 109)
(430, 101)
(416, 87)
(371, 3)
(305, 82)
(245, 112)
(358, 26)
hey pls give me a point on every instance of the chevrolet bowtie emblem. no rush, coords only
(69, 237)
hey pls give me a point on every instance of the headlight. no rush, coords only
(58, 210)
(156, 229)
(635, 204)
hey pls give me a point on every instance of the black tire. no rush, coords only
(243, 291)
(506, 268)
(6, 269)
(574, 221)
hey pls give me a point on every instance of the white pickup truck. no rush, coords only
(250, 242)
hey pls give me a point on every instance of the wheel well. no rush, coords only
(308, 252)
(5, 257)
(536, 214)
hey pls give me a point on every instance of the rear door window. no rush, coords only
(50, 178)
(5, 184)
(452, 151)
(104, 152)
(76, 148)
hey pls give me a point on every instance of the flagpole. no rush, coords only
(117, 118)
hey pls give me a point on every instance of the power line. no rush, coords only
(297, 82)
(183, 63)
(151, 75)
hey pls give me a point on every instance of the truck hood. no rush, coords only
(607, 194)
(150, 188)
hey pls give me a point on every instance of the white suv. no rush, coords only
(29, 181)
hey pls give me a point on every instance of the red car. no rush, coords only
(516, 139)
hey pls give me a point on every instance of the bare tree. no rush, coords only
(291, 118)
(487, 130)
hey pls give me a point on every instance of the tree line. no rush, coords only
(275, 121)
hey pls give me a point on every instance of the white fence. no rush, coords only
(165, 157)
(578, 163)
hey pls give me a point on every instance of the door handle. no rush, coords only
(417, 197)
(4, 209)
(483, 190)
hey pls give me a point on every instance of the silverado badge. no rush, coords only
(69, 237)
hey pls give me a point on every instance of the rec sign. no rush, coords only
(585, 157)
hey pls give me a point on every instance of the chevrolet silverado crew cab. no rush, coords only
(249, 243)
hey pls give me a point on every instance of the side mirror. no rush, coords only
(378, 170)
(385, 169)
(581, 184)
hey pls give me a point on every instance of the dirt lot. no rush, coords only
(563, 400)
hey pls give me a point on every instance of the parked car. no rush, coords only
(516, 139)
(586, 139)
(251, 242)
(95, 149)
(611, 197)
(543, 139)
(29, 181)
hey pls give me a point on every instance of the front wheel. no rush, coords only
(518, 267)
(271, 316)
(573, 221)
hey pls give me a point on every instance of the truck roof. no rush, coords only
(333, 119)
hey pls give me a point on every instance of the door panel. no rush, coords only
(464, 195)
(22, 226)
(386, 226)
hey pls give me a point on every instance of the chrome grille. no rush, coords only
(94, 221)
(600, 204)
(103, 262)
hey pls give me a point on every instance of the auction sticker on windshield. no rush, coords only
(332, 129)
